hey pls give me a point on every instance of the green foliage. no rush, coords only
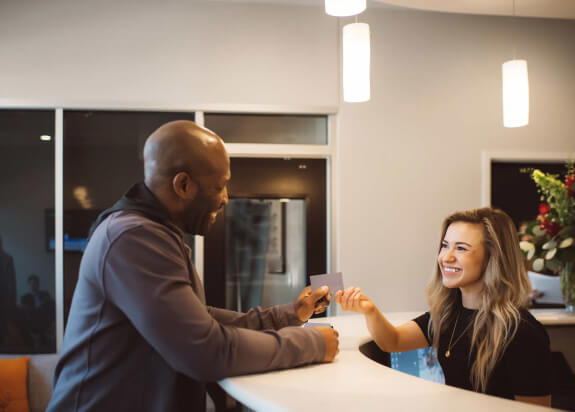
(554, 193)
(548, 240)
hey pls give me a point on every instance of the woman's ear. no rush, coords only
(184, 187)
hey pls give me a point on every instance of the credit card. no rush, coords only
(332, 280)
(316, 324)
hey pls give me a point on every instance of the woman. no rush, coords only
(486, 339)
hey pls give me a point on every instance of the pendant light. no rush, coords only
(515, 91)
(356, 61)
(343, 8)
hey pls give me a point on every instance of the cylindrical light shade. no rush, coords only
(515, 93)
(356, 56)
(341, 8)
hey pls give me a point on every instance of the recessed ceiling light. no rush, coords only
(45, 138)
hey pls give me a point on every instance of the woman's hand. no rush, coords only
(353, 300)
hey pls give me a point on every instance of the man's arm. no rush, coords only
(275, 317)
(146, 277)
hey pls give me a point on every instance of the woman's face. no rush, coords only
(462, 255)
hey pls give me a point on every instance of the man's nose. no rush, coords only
(226, 198)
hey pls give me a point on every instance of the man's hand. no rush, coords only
(309, 302)
(330, 337)
(352, 299)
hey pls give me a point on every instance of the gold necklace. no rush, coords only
(450, 346)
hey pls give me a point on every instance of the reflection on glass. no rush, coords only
(265, 251)
(278, 129)
(27, 309)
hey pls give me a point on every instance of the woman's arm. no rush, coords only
(388, 337)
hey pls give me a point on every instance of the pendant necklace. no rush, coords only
(450, 346)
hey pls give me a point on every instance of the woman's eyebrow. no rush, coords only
(457, 243)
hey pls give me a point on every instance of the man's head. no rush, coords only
(34, 282)
(187, 168)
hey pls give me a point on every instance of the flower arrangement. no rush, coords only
(548, 240)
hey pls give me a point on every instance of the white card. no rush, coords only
(333, 280)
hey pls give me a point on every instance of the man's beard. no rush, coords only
(196, 217)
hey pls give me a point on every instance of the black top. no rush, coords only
(524, 369)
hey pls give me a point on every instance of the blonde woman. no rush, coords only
(486, 339)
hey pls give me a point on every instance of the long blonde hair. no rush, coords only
(505, 291)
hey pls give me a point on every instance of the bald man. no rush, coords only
(139, 335)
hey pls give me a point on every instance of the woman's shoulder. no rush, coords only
(530, 331)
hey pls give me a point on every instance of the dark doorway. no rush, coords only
(514, 192)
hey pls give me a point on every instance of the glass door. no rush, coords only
(265, 251)
(272, 234)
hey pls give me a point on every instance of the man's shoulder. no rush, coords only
(118, 223)
(134, 230)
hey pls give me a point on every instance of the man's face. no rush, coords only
(34, 284)
(212, 196)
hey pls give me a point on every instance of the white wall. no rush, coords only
(407, 158)
(411, 156)
(181, 53)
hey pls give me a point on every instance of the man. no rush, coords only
(38, 309)
(139, 336)
(7, 298)
(7, 279)
(37, 298)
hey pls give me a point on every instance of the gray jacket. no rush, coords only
(140, 337)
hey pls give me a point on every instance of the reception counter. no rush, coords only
(354, 382)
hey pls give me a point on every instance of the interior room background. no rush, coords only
(405, 159)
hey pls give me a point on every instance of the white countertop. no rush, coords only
(354, 382)
(553, 317)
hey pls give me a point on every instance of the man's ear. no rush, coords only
(184, 187)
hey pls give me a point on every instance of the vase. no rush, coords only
(567, 277)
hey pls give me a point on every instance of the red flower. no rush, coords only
(569, 183)
(551, 228)
(544, 208)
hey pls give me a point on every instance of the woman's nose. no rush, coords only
(448, 256)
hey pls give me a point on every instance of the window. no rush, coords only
(260, 128)
(27, 267)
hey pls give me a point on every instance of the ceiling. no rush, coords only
(555, 9)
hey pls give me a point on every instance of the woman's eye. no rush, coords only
(443, 245)
(461, 248)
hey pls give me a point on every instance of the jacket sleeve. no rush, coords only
(145, 275)
(275, 317)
